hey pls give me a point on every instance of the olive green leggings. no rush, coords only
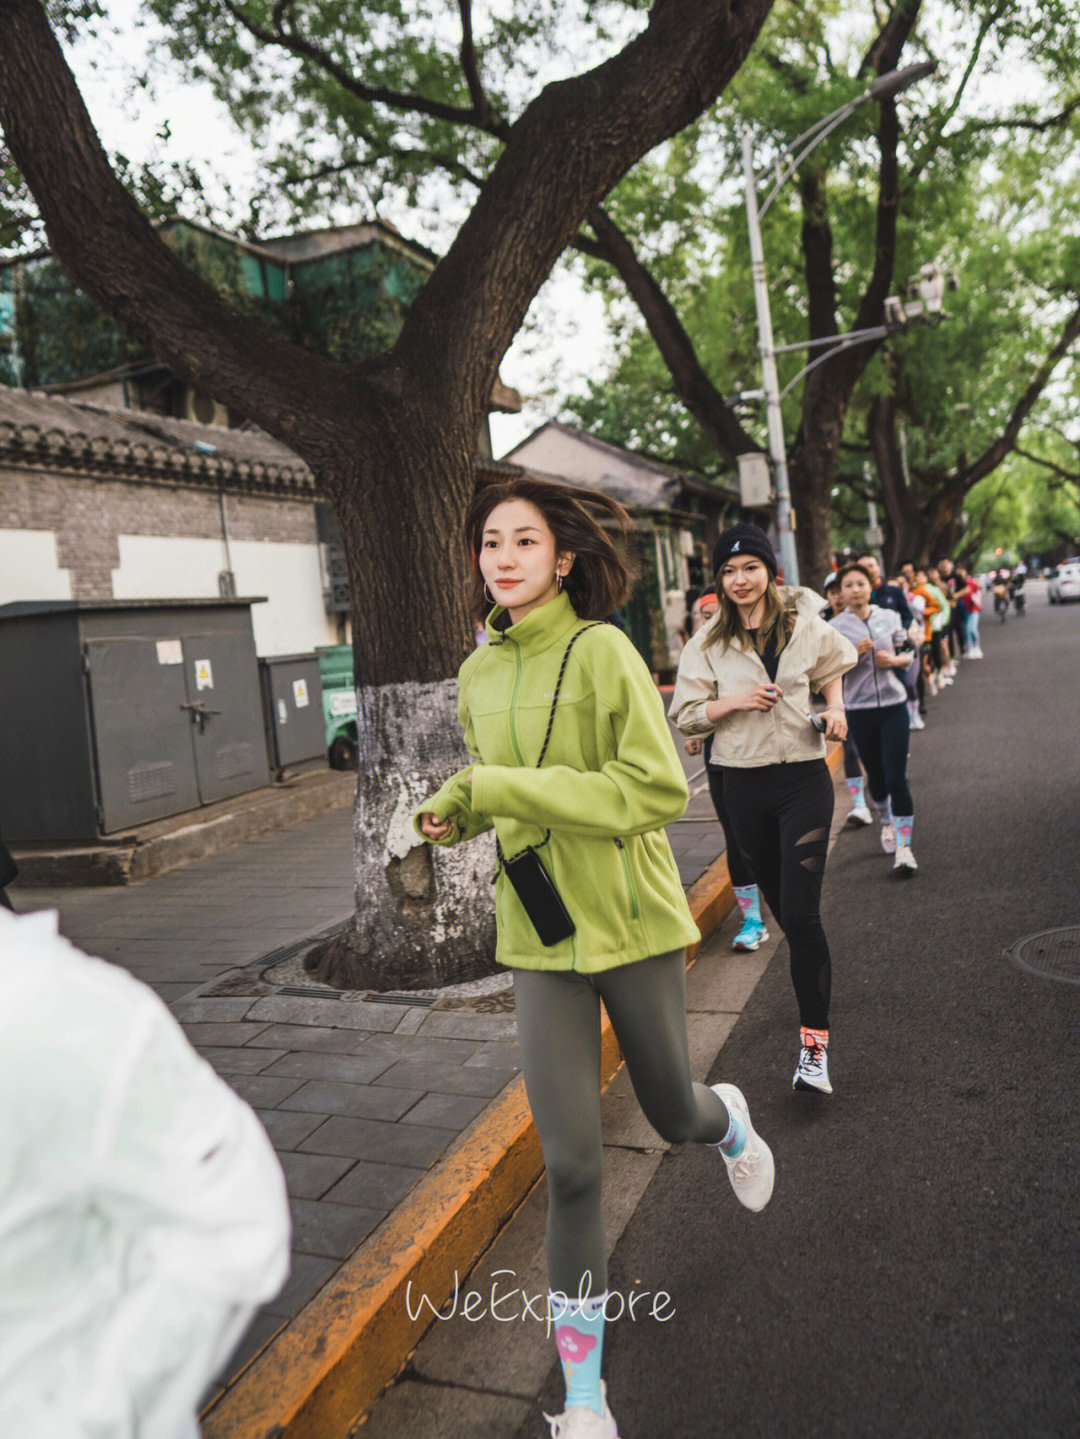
(558, 1023)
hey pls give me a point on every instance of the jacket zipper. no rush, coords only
(513, 704)
(629, 877)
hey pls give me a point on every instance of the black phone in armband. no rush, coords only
(539, 897)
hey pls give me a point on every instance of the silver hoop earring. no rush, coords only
(487, 596)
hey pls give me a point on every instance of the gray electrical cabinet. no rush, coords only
(293, 709)
(116, 713)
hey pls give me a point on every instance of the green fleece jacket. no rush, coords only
(610, 781)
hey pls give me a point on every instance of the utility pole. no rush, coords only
(785, 520)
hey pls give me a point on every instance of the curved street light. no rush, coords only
(796, 152)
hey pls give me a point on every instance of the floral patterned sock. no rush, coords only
(579, 1338)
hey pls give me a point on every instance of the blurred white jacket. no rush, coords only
(143, 1213)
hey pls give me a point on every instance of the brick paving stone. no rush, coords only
(262, 1091)
(307, 1275)
(353, 1069)
(500, 1054)
(411, 1144)
(288, 1128)
(445, 1111)
(411, 1020)
(331, 1230)
(362, 1101)
(408, 1046)
(309, 1176)
(375, 1186)
(332, 1013)
(234, 1060)
(316, 1039)
(213, 1011)
(230, 1036)
(447, 1078)
(462, 1024)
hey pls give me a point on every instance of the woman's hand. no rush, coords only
(761, 697)
(434, 827)
(835, 723)
(864, 647)
(693, 745)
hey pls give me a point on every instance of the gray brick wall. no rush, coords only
(86, 514)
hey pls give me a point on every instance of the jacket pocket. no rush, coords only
(631, 889)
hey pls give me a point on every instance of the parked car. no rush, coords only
(1066, 583)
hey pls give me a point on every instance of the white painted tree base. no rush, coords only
(425, 916)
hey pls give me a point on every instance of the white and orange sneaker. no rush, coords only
(812, 1070)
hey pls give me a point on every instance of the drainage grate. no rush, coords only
(1052, 954)
(299, 991)
(421, 1001)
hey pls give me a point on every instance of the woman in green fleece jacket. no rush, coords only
(574, 760)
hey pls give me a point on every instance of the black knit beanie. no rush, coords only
(743, 540)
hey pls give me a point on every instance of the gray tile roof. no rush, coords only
(44, 432)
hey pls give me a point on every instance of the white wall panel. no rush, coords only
(30, 567)
(292, 620)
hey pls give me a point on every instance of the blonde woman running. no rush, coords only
(747, 678)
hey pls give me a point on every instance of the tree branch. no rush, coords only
(692, 385)
(112, 252)
(989, 460)
(1066, 475)
(1051, 122)
(447, 163)
(571, 145)
(294, 43)
(930, 145)
(470, 66)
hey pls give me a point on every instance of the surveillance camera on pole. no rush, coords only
(923, 296)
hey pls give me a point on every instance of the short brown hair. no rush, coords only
(856, 567)
(601, 577)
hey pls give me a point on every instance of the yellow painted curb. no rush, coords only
(326, 1367)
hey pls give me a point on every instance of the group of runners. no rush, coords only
(574, 767)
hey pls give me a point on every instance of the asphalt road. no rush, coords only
(918, 1270)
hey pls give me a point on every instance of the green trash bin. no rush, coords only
(339, 704)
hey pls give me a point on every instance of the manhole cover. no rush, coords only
(1053, 954)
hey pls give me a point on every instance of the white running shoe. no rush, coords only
(976, 653)
(860, 814)
(917, 721)
(752, 1172)
(812, 1070)
(582, 1423)
(888, 839)
(945, 679)
(904, 866)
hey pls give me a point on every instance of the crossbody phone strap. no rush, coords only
(551, 720)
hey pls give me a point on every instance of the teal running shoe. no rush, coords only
(752, 934)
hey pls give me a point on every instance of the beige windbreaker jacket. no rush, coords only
(747, 739)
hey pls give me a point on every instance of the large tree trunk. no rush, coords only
(423, 914)
(814, 460)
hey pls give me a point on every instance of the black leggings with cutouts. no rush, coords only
(781, 814)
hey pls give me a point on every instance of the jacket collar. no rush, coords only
(540, 629)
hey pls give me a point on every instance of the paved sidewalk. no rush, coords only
(360, 1095)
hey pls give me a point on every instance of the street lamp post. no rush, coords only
(885, 85)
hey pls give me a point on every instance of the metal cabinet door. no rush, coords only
(142, 742)
(225, 710)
